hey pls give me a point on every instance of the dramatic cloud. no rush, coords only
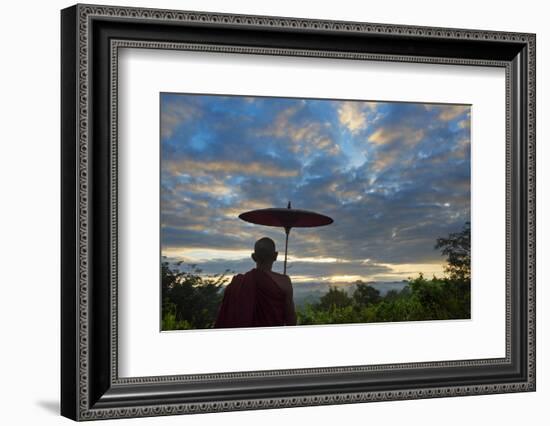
(353, 115)
(206, 168)
(393, 176)
(408, 136)
(175, 114)
(449, 113)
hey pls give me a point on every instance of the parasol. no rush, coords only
(286, 218)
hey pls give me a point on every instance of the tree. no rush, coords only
(190, 299)
(457, 249)
(365, 294)
(391, 295)
(334, 298)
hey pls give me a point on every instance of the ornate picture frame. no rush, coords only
(91, 37)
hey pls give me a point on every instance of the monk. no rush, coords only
(260, 297)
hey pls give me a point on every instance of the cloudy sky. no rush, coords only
(393, 176)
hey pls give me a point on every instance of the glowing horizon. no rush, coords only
(395, 271)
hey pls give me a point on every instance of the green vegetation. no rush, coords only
(422, 299)
(191, 301)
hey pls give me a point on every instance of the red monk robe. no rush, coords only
(252, 300)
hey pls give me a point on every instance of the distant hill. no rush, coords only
(311, 292)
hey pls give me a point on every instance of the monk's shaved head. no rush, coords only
(264, 250)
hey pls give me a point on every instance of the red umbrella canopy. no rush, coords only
(286, 218)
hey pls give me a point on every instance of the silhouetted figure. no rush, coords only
(260, 297)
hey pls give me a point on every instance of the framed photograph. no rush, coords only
(264, 212)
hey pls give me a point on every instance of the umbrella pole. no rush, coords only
(287, 231)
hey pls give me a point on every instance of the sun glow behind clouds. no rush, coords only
(396, 272)
(205, 254)
(198, 255)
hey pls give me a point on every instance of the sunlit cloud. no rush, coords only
(345, 278)
(300, 137)
(353, 115)
(214, 187)
(448, 113)
(198, 255)
(411, 270)
(317, 259)
(175, 114)
(407, 135)
(228, 167)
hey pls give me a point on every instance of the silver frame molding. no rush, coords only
(91, 39)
